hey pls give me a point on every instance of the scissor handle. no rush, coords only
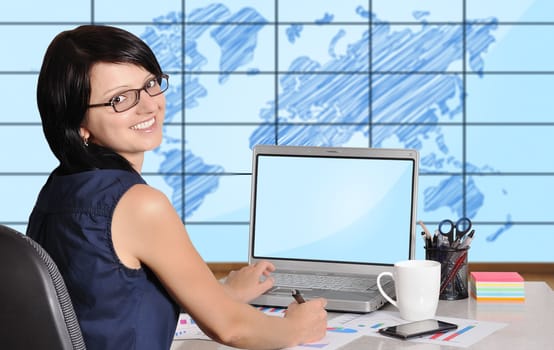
(463, 225)
(450, 224)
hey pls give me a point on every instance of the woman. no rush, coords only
(122, 249)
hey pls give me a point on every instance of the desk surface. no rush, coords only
(530, 325)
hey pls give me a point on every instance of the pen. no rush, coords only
(427, 233)
(457, 241)
(457, 265)
(297, 296)
(467, 241)
(424, 239)
(443, 242)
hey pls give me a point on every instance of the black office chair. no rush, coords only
(35, 308)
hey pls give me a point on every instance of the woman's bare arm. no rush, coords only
(147, 230)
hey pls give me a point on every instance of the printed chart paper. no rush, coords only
(345, 328)
(468, 332)
(188, 329)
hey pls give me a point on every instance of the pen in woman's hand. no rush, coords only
(297, 296)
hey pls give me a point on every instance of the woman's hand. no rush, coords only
(250, 281)
(310, 319)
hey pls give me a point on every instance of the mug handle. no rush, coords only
(385, 295)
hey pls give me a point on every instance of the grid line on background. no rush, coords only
(181, 74)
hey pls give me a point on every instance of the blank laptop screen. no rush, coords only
(314, 208)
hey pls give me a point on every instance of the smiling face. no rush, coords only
(129, 133)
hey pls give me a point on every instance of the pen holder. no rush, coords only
(454, 277)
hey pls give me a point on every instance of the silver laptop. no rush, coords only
(331, 219)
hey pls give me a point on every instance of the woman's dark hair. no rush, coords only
(63, 90)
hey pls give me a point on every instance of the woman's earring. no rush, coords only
(85, 141)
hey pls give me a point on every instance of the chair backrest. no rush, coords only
(35, 308)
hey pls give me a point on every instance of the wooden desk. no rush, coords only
(530, 325)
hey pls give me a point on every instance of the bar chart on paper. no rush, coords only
(367, 323)
(336, 337)
(451, 336)
(345, 328)
(467, 333)
(188, 329)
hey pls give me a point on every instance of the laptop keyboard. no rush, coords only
(312, 281)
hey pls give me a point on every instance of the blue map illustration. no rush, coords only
(332, 100)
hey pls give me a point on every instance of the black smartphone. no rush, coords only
(417, 328)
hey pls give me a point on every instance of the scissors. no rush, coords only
(461, 227)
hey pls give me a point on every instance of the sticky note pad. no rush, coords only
(505, 287)
(496, 277)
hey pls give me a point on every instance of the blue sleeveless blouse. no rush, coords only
(117, 307)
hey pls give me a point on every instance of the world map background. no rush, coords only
(357, 74)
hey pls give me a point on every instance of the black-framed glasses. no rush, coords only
(128, 99)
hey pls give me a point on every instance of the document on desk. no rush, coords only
(187, 329)
(345, 328)
(468, 332)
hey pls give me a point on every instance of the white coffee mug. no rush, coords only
(417, 285)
